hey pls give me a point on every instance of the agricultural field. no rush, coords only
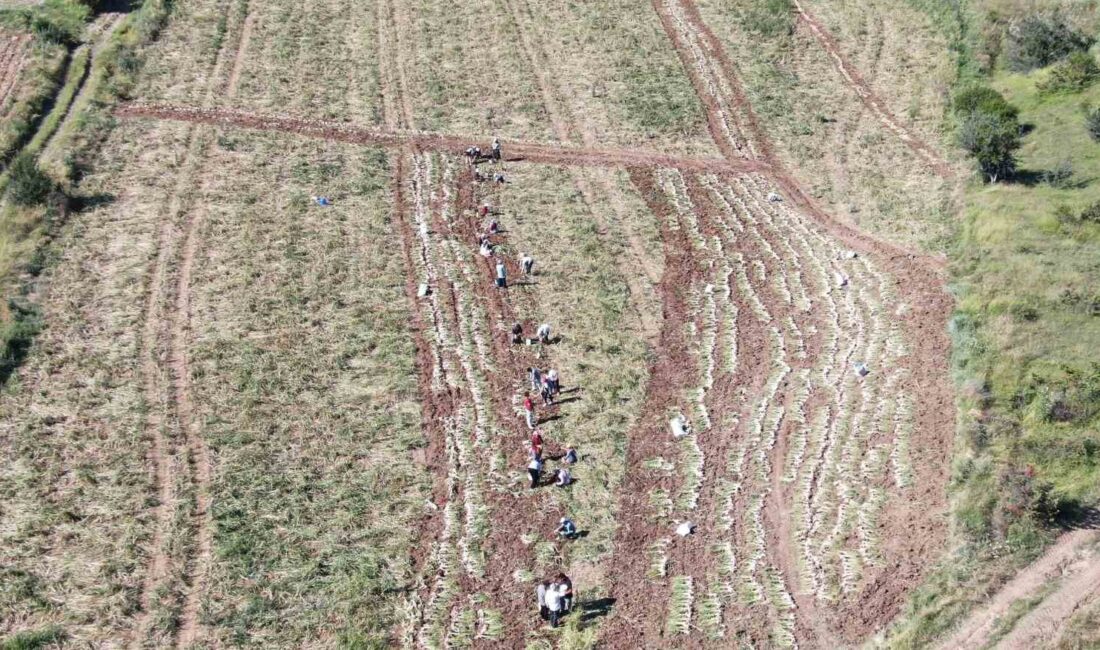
(276, 399)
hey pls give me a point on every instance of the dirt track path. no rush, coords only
(537, 152)
(239, 58)
(191, 629)
(1042, 622)
(1041, 626)
(178, 454)
(873, 102)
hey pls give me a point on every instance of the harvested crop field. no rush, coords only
(278, 402)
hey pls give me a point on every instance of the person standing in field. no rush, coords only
(534, 470)
(540, 592)
(565, 588)
(496, 149)
(553, 604)
(552, 378)
(543, 333)
(517, 333)
(528, 264)
(536, 442)
(529, 411)
(502, 281)
(535, 375)
(544, 391)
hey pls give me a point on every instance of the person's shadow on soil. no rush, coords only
(594, 609)
(567, 400)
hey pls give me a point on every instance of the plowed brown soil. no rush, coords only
(914, 529)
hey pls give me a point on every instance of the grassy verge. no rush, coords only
(76, 487)
(25, 231)
(36, 87)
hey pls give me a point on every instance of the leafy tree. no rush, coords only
(992, 141)
(1037, 40)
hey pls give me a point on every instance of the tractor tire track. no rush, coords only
(161, 456)
(239, 57)
(1042, 625)
(191, 628)
(873, 102)
(164, 352)
(977, 630)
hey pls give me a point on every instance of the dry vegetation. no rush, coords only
(844, 154)
(243, 425)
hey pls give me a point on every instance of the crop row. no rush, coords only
(462, 360)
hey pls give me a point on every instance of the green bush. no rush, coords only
(29, 185)
(992, 141)
(979, 98)
(1092, 123)
(1038, 40)
(1077, 72)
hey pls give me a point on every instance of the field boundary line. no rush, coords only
(535, 152)
(868, 96)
